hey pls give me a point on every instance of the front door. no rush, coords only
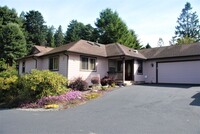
(129, 70)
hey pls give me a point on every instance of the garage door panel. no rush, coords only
(187, 72)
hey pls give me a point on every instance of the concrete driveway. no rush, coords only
(137, 109)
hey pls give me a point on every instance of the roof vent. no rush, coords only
(136, 51)
(94, 43)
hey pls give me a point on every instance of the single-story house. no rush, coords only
(170, 64)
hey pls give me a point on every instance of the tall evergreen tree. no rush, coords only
(36, 30)
(188, 25)
(111, 29)
(77, 30)
(50, 37)
(73, 32)
(12, 43)
(59, 37)
(8, 16)
(148, 46)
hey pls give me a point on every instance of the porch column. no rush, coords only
(123, 73)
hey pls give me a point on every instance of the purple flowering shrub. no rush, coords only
(67, 97)
(78, 84)
(95, 80)
(107, 81)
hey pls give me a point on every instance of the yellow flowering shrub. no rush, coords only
(54, 106)
(92, 96)
(39, 84)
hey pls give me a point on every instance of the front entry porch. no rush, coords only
(121, 70)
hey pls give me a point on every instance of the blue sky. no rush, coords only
(151, 19)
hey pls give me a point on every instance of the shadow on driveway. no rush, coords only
(196, 101)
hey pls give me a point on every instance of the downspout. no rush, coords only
(35, 62)
(67, 64)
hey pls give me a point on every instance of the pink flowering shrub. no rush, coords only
(69, 96)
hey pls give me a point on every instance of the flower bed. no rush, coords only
(67, 100)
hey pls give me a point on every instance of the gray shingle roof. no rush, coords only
(116, 49)
(82, 47)
(97, 49)
(172, 51)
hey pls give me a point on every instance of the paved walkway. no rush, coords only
(130, 110)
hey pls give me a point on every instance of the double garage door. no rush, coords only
(181, 72)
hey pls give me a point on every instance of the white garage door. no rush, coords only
(187, 72)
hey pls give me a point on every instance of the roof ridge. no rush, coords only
(120, 48)
(196, 43)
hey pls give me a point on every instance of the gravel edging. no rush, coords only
(37, 109)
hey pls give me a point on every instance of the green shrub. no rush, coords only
(78, 84)
(40, 84)
(8, 84)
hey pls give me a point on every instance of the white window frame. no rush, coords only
(55, 60)
(89, 63)
(23, 66)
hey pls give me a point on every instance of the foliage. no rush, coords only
(8, 16)
(36, 30)
(185, 40)
(12, 43)
(39, 84)
(50, 37)
(104, 88)
(188, 25)
(160, 42)
(112, 29)
(147, 46)
(77, 30)
(3, 65)
(107, 81)
(58, 37)
(69, 96)
(54, 106)
(95, 80)
(8, 84)
(92, 95)
(78, 84)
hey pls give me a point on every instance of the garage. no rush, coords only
(180, 72)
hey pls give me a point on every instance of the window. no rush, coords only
(23, 66)
(88, 63)
(54, 63)
(140, 67)
(119, 66)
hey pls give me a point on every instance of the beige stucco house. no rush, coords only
(172, 64)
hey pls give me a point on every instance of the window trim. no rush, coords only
(53, 63)
(140, 65)
(23, 66)
(88, 63)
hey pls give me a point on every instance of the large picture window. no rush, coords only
(54, 63)
(88, 63)
(140, 67)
